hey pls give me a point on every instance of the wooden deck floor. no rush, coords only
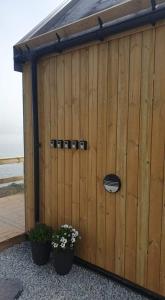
(12, 216)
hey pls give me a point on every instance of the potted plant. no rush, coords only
(40, 237)
(63, 243)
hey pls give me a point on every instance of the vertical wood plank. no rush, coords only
(124, 45)
(145, 155)
(75, 136)
(157, 168)
(133, 156)
(54, 135)
(68, 136)
(61, 131)
(83, 154)
(41, 139)
(162, 262)
(111, 151)
(92, 155)
(47, 125)
(28, 148)
(101, 151)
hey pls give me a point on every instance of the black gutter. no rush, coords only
(35, 136)
(150, 16)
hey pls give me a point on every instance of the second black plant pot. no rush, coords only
(40, 252)
(63, 260)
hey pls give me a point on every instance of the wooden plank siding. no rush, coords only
(112, 113)
(162, 261)
(68, 136)
(92, 155)
(133, 156)
(53, 134)
(60, 77)
(41, 138)
(101, 152)
(84, 154)
(45, 144)
(121, 152)
(28, 148)
(144, 154)
(112, 95)
(157, 166)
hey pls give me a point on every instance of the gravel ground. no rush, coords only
(42, 283)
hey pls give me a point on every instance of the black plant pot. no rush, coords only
(63, 260)
(40, 252)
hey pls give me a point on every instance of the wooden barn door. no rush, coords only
(113, 96)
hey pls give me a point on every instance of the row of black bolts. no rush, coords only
(69, 144)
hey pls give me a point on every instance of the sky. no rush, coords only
(17, 17)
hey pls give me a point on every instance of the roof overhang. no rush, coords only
(126, 15)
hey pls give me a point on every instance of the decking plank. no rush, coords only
(12, 216)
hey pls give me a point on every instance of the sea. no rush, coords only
(11, 145)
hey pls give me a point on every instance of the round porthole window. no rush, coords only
(112, 183)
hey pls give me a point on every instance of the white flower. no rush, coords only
(62, 245)
(55, 245)
(63, 240)
(70, 227)
(65, 226)
(75, 234)
(73, 240)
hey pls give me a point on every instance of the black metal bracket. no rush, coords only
(19, 50)
(30, 53)
(58, 37)
(100, 22)
(153, 4)
(27, 47)
(59, 48)
(100, 35)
